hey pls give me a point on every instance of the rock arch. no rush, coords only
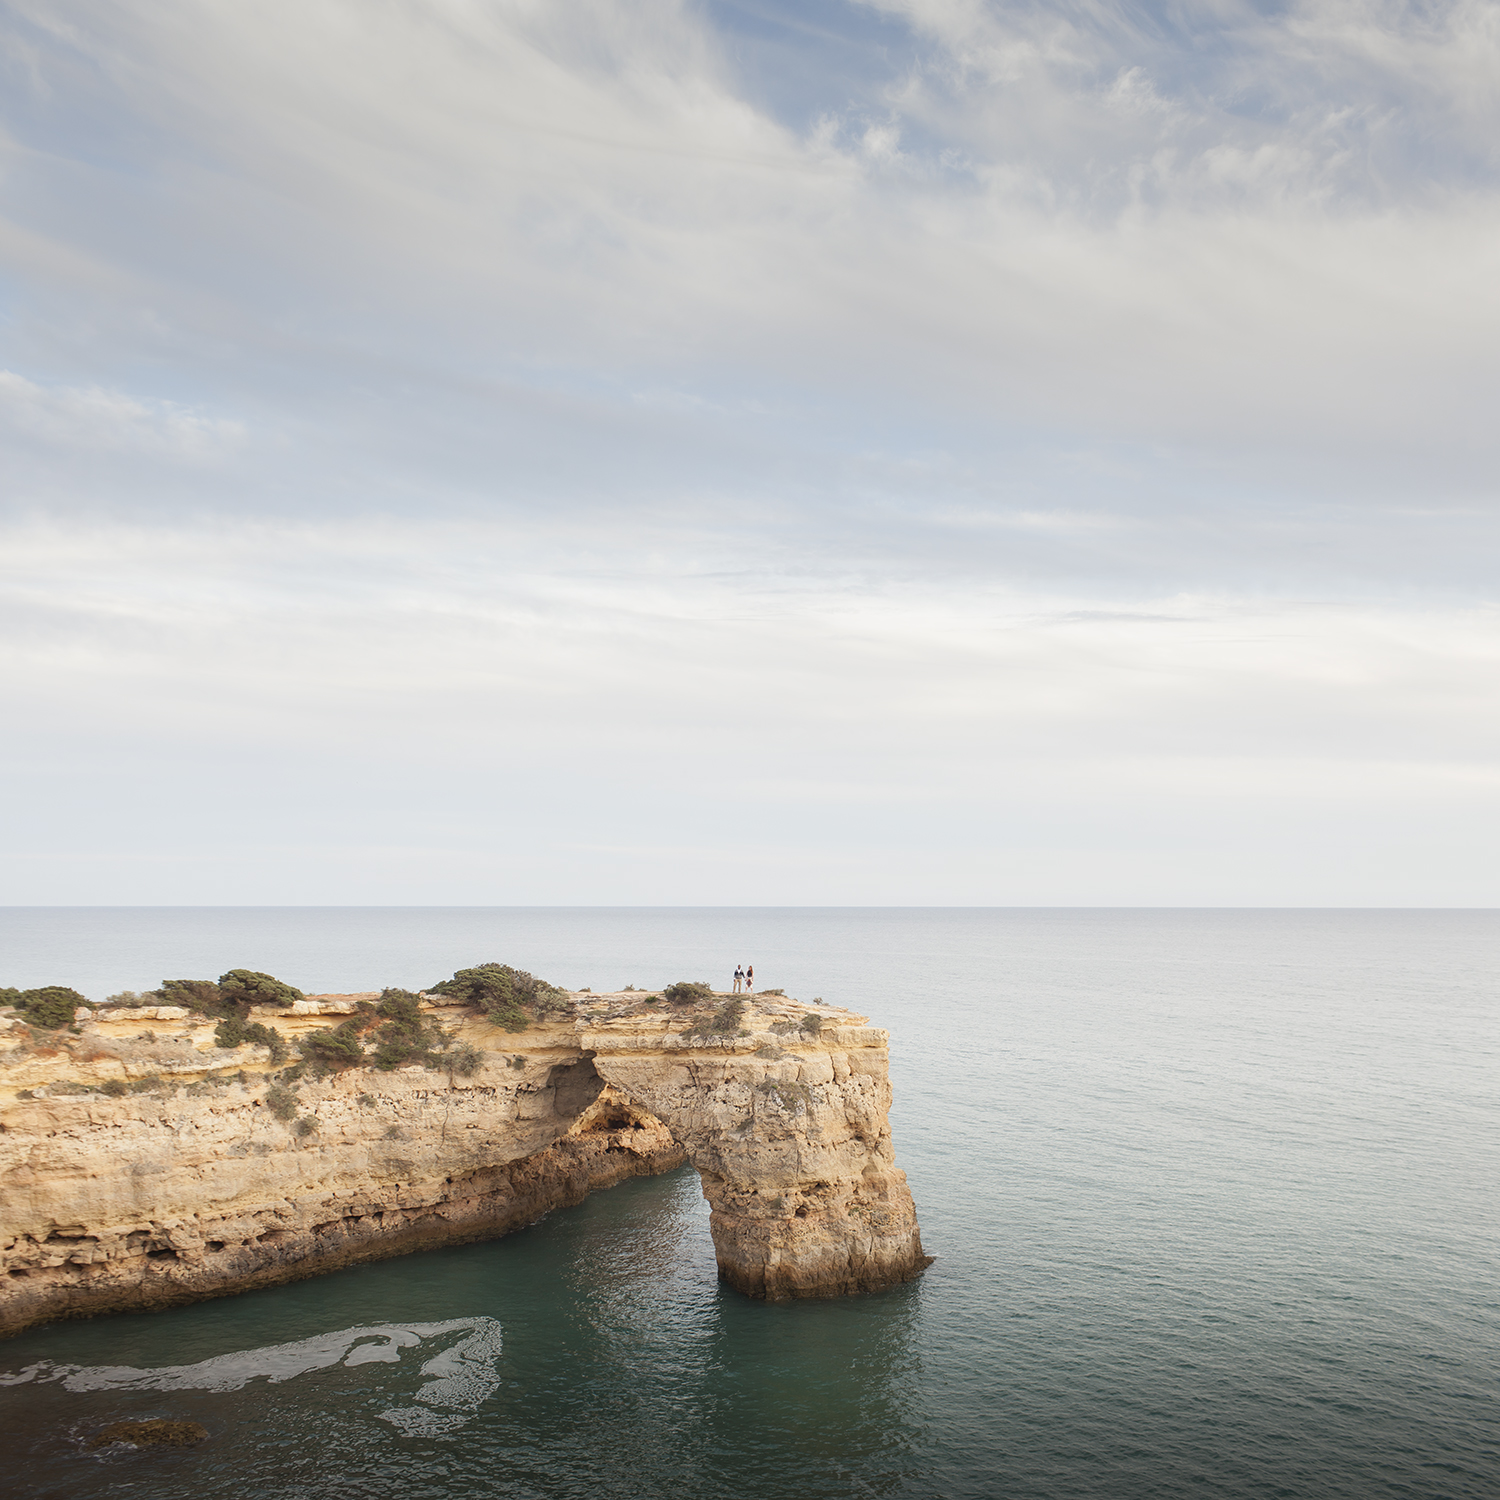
(793, 1148)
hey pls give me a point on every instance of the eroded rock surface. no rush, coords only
(191, 1185)
(791, 1137)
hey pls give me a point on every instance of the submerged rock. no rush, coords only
(156, 1433)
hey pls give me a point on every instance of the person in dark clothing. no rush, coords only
(749, 979)
(739, 978)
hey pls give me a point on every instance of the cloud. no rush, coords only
(110, 421)
(267, 689)
(1004, 438)
(1071, 223)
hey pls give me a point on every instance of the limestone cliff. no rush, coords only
(185, 1182)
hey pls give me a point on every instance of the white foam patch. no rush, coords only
(463, 1375)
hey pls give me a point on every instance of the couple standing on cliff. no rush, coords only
(746, 977)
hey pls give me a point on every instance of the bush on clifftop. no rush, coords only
(50, 1007)
(688, 992)
(510, 997)
(724, 1021)
(201, 995)
(249, 987)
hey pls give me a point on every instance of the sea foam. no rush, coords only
(463, 1374)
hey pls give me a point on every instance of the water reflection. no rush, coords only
(626, 1370)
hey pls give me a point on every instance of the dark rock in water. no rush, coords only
(156, 1433)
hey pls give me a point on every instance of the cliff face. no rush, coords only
(791, 1138)
(192, 1186)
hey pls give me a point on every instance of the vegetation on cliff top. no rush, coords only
(688, 992)
(48, 1008)
(725, 1021)
(249, 987)
(511, 998)
(400, 1033)
(389, 1034)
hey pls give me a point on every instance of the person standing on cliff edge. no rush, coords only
(749, 979)
(739, 978)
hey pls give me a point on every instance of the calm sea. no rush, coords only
(1214, 1196)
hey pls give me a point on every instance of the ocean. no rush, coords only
(1213, 1196)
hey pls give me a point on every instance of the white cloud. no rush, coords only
(582, 194)
(1059, 468)
(93, 418)
(505, 687)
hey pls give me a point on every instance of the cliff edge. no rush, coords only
(143, 1166)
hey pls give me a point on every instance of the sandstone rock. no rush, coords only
(793, 1148)
(197, 1188)
(126, 1013)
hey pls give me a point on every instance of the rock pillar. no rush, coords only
(791, 1137)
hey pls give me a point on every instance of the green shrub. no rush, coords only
(201, 995)
(249, 987)
(510, 1018)
(130, 1000)
(399, 1005)
(50, 1007)
(115, 1088)
(235, 1031)
(463, 1060)
(281, 1101)
(9, 996)
(506, 994)
(812, 1025)
(688, 992)
(724, 1021)
(404, 1035)
(230, 1032)
(338, 1048)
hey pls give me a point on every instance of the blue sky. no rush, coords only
(935, 451)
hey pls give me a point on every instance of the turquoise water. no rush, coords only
(1213, 1196)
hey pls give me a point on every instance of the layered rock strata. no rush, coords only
(189, 1184)
(792, 1141)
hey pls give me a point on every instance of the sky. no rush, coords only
(890, 452)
